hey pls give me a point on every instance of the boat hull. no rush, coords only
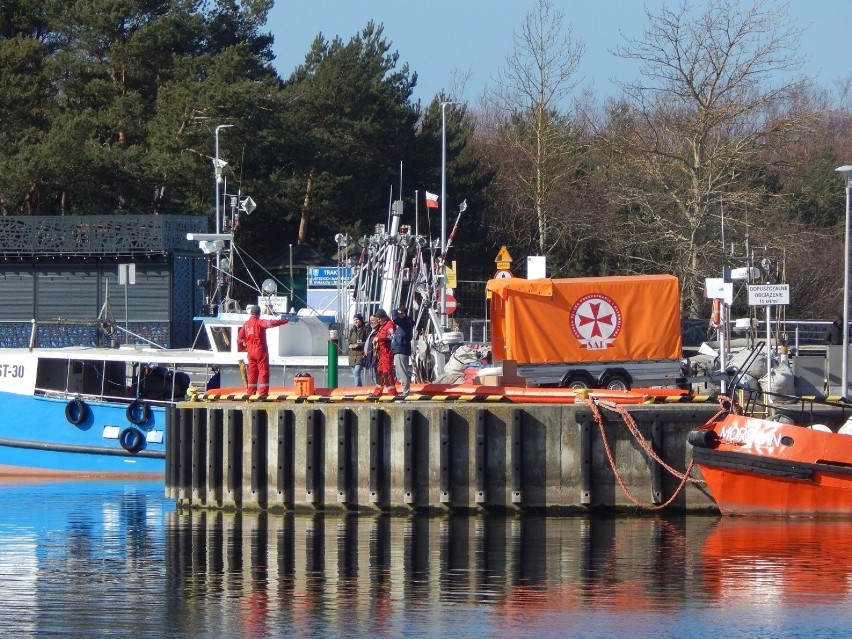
(759, 467)
(38, 439)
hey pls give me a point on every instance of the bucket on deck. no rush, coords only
(304, 384)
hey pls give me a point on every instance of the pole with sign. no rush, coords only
(126, 275)
(717, 288)
(504, 264)
(768, 295)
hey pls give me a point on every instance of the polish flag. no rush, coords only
(431, 200)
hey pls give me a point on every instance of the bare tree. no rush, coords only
(717, 86)
(534, 151)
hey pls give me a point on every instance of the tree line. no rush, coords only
(720, 153)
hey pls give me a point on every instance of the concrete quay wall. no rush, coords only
(430, 457)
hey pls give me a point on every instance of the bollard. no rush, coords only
(332, 358)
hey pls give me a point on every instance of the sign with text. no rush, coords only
(768, 294)
(329, 276)
(450, 274)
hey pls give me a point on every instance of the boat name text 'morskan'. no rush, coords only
(751, 435)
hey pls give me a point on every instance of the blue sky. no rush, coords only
(441, 39)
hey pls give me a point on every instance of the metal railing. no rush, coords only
(75, 235)
(802, 411)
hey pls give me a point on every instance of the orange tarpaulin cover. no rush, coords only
(586, 319)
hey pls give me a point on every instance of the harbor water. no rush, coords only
(117, 559)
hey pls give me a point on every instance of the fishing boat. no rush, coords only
(756, 466)
(101, 412)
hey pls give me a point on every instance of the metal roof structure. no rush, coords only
(98, 235)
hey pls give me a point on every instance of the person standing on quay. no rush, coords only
(384, 359)
(370, 349)
(252, 339)
(357, 339)
(401, 347)
(834, 332)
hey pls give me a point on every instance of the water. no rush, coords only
(114, 559)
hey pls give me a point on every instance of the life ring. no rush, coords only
(76, 411)
(144, 412)
(716, 316)
(131, 439)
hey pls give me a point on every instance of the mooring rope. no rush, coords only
(594, 406)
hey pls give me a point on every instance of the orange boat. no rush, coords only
(760, 467)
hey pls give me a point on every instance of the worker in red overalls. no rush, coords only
(252, 339)
(382, 341)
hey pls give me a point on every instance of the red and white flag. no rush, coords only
(431, 200)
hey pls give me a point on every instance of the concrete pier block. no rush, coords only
(428, 456)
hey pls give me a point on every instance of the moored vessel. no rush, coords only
(756, 466)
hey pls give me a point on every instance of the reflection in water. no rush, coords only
(385, 577)
(778, 561)
(77, 556)
(91, 560)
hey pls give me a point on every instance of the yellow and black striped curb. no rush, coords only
(321, 399)
(413, 397)
(685, 399)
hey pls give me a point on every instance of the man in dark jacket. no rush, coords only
(401, 348)
(834, 332)
(357, 338)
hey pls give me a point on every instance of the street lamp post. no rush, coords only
(846, 172)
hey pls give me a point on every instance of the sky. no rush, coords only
(443, 40)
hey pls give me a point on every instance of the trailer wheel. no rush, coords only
(577, 381)
(617, 382)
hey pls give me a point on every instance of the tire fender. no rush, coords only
(138, 412)
(131, 439)
(76, 411)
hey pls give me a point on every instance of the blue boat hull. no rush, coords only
(38, 437)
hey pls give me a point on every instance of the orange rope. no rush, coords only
(634, 430)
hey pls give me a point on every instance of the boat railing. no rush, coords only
(96, 398)
(803, 411)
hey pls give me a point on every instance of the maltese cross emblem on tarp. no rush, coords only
(596, 321)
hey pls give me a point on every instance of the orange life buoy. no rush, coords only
(716, 317)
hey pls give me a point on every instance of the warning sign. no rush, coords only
(503, 256)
